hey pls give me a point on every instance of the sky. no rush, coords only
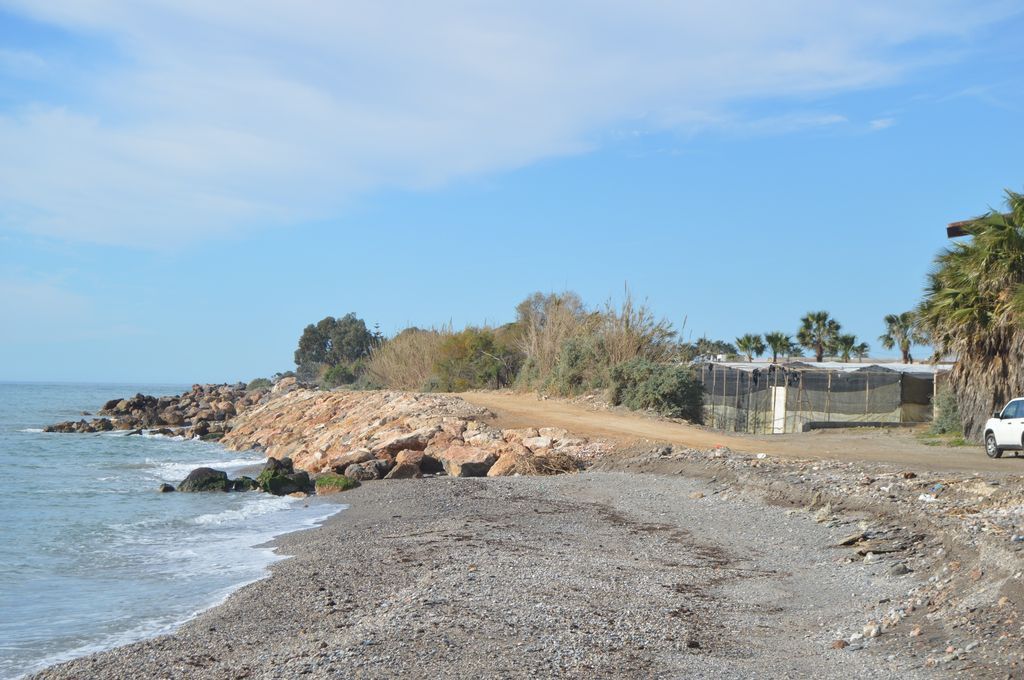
(185, 185)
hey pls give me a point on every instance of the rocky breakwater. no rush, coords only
(365, 436)
(203, 412)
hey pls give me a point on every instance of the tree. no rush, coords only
(332, 342)
(901, 331)
(473, 358)
(847, 345)
(706, 347)
(818, 332)
(780, 343)
(750, 345)
(973, 308)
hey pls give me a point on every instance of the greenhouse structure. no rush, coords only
(763, 398)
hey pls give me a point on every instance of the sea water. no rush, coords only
(91, 555)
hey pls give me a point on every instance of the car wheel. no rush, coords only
(991, 450)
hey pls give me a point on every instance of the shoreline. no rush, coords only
(267, 546)
(608, 574)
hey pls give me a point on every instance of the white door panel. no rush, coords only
(1011, 427)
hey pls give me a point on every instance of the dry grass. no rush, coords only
(407, 361)
(631, 330)
(549, 463)
(546, 322)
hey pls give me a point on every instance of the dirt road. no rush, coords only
(896, 446)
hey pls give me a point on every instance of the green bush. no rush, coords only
(474, 358)
(669, 389)
(344, 373)
(578, 368)
(947, 415)
(259, 384)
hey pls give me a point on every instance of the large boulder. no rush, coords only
(417, 440)
(404, 470)
(467, 461)
(244, 484)
(538, 443)
(279, 478)
(362, 472)
(339, 463)
(507, 465)
(424, 461)
(206, 479)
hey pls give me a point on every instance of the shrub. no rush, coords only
(568, 349)
(474, 358)
(407, 361)
(259, 384)
(669, 389)
(578, 369)
(345, 373)
(947, 415)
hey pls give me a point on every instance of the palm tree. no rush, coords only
(750, 345)
(901, 331)
(973, 308)
(818, 332)
(779, 342)
(846, 345)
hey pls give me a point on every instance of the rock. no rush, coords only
(467, 461)
(899, 569)
(408, 456)
(519, 435)
(840, 644)
(166, 488)
(285, 485)
(279, 478)
(554, 433)
(416, 440)
(404, 471)
(244, 484)
(872, 630)
(506, 465)
(333, 483)
(916, 632)
(537, 443)
(284, 385)
(696, 495)
(382, 465)
(453, 427)
(205, 479)
(484, 438)
(361, 472)
(339, 463)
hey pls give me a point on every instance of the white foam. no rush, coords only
(262, 506)
(31, 429)
(177, 471)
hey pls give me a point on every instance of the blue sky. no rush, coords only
(183, 188)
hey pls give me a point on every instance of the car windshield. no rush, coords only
(1013, 409)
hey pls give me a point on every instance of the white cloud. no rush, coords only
(236, 115)
(881, 123)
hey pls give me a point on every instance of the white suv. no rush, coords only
(1005, 430)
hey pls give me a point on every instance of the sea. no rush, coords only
(91, 555)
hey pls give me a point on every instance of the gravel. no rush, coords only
(599, 574)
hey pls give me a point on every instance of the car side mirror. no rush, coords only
(998, 414)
